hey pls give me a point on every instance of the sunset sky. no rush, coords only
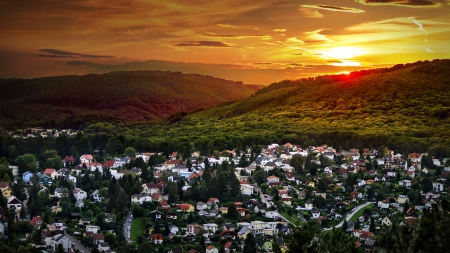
(253, 41)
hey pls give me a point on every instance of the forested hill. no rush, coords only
(406, 106)
(116, 96)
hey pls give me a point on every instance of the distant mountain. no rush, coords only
(122, 96)
(405, 107)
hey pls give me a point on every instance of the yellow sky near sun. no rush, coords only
(291, 38)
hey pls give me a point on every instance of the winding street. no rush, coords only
(127, 223)
(76, 243)
(349, 215)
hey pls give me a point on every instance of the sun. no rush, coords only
(342, 53)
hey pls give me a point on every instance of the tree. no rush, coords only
(173, 192)
(426, 184)
(110, 238)
(26, 162)
(260, 176)
(303, 238)
(297, 163)
(232, 213)
(372, 225)
(19, 190)
(130, 152)
(249, 244)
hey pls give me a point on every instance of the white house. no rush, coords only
(61, 240)
(405, 183)
(438, 187)
(273, 179)
(272, 214)
(246, 189)
(92, 228)
(95, 196)
(143, 156)
(386, 221)
(140, 198)
(211, 249)
(211, 226)
(14, 204)
(315, 214)
(86, 159)
(79, 194)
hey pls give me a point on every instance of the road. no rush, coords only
(261, 195)
(127, 223)
(349, 215)
(76, 243)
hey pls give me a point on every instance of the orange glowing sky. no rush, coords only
(254, 41)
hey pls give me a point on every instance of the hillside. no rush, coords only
(130, 96)
(405, 107)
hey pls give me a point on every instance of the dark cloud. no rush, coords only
(202, 44)
(334, 61)
(332, 8)
(408, 3)
(56, 53)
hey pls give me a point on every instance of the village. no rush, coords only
(217, 203)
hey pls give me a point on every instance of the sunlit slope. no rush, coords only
(407, 105)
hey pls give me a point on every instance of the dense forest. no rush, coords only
(405, 108)
(123, 96)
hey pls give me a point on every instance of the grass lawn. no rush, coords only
(294, 218)
(137, 228)
(359, 213)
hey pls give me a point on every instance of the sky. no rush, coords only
(252, 41)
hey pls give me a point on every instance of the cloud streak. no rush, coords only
(332, 8)
(406, 3)
(202, 44)
(56, 53)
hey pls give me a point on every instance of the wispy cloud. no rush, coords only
(210, 34)
(279, 30)
(201, 44)
(56, 53)
(406, 3)
(332, 8)
(310, 13)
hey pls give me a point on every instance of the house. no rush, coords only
(61, 192)
(302, 194)
(95, 166)
(26, 177)
(150, 188)
(98, 238)
(92, 228)
(438, 187)
(105, 247)
(386, 221)
(51, 173)
(140, 199)
(86, 159)
(264, 245)
(5, 189)
(85, 221)
(272, 214)
(227, 235)
(156, 215)
(68, 160)
(411, 174)
(79, 194)
(212, 203)
(157, 197)
(13, 204)
(315, 214)
(211, 249)
(211, 227)
(193, 228)
(201, 206)
(383, 204)
(246, 189)
(355, 196)
(95, 196)
(405, 183)
(186, 207)
(245, 230)
(273, 179)
(36, 221)
(171, 216)
(163, 205)
(173, 229)
(44, 179)
(402, 199)
(61, 240)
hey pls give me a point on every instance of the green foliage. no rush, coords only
(27, 162)
(303, 238)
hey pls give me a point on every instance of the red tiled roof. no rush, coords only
(108, 163)
(87, 157)
(49, 171)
